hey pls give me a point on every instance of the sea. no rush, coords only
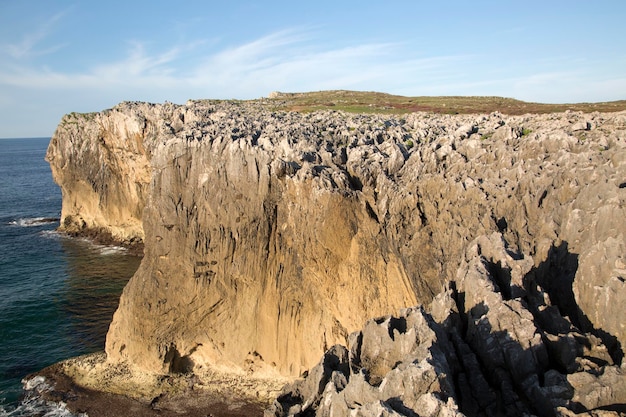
(57, 293)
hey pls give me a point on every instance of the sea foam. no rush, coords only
(33, 221)
(33, 404)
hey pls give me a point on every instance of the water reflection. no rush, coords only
(96, 276)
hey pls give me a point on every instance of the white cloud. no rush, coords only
(287, 60)
(30, 44)
(283, 60)
(136, 65)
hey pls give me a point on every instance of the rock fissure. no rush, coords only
(487, 371)
(281, 233)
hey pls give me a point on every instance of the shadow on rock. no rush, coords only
(556, 276)
(492, 344)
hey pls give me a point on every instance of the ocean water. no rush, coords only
(57, 294)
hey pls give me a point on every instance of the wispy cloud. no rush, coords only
(257, 52)
(137, 64)
(281, 60)
(287, 59)
(30, 43)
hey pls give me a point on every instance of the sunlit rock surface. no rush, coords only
(271, 236)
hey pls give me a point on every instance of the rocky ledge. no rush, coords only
(272, 236)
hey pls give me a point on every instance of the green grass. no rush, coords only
(373, 102)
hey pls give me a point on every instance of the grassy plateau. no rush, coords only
(373, 102)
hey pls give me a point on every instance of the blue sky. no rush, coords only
(62, 56)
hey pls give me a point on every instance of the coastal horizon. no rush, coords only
(364, 100)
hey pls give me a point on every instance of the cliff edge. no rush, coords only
(271, 236)
(101, 162)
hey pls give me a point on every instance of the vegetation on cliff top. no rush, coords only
(373, 102)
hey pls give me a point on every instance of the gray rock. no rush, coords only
(495, 362)
(328, 219)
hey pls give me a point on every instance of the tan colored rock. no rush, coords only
(599, 389)
(101, 162)
(488, 356)
(269, 237)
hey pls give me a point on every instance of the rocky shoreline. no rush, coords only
(270, 237)
(89, 385)
(101, 236)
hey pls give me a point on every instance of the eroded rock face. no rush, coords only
(101, 161)
(479, 349)
(270, 237)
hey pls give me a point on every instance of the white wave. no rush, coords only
(104, 249)
(55, 234)
(34, 405)
(51, 234)
(33, 221)
(38, 407)
(111, 250)
(38, 384)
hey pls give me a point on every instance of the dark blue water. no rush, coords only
(57, 294)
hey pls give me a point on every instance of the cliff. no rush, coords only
(271, 236)
(493, 344)
(101, 163)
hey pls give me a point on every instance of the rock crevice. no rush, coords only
(272, 236)
(477, 350)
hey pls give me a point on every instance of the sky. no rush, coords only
(59, 56)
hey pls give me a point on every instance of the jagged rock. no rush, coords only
(602, 388)
(492, 363)
(397, 365)
(271, 236)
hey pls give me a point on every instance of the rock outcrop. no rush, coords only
(102, 164)
(491, 345)
(272, 236)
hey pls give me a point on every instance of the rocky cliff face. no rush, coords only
(491, 345)
(271, 236)
(101, 162)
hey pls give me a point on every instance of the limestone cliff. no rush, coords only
(271, 236)
(488, 346)
(101, 161)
